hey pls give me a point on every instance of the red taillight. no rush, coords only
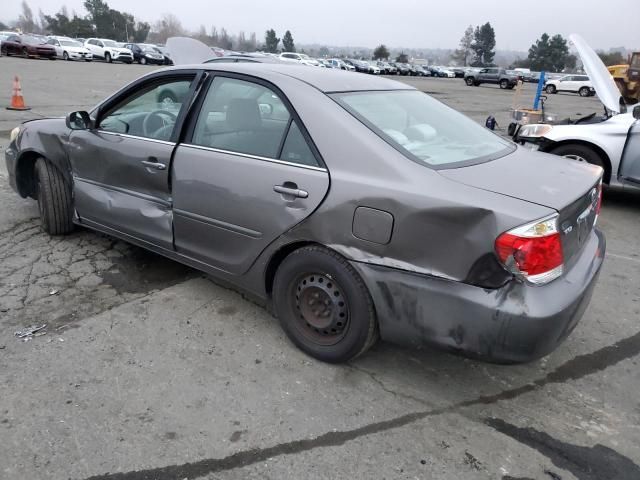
(599, 205)
(533, 251)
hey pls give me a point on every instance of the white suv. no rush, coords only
(579, 84)
(108, 50)
(299, 58)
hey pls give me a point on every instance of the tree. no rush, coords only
(168, 26)
(550, 54)
(402, 58)
(271, 41)
(612, 58)
(224, 40)
(465, 51)
(381, 53)
(484, 44)
(287, 42)
(25, 21)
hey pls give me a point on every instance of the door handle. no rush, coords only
(293, 191)
(154, 164)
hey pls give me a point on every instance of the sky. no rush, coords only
(396, 23)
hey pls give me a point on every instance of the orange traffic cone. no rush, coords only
(17, 102)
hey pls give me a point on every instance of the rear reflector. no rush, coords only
(533, 251)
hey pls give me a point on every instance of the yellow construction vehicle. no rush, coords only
(627, 78)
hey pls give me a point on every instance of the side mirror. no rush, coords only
(79, 121)
(636, 112)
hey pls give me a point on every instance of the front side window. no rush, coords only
(145, 113)
(246, 117)
(424, 129)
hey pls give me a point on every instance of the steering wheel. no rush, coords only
(148, 127)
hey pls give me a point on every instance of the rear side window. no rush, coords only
(296, 149)
(424, 129)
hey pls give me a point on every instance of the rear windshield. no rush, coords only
(424, 129)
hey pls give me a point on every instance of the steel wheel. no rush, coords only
(322, 307)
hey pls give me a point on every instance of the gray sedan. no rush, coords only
(356, 206)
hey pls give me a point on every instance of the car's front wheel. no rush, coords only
(581, 153)
(469, 81)
(54, 199)
(323, 305)
(504, 84)
(143, 61)
(584, 92)
(65, 56)
(107, 57)
(551, 89)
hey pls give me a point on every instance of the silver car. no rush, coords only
(356, 206)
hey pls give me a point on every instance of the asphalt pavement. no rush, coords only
(149, 370)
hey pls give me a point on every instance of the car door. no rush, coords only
(121, 167)
(246, 174)
(14, 46)
(629, 170)
(55, 44)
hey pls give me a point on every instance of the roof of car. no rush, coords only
(324, 79)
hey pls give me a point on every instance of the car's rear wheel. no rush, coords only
(584, 92)
(504, 84)
(324, 306)
(551, 89)
(107, 57)
(54, 199)
(581, 153)
(469, 81)
(65, 56)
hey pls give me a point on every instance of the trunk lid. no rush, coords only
(567, 186)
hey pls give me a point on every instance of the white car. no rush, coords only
(374, 68)
(69, 49)
(108, 50)
(579, 84)
(596, 139)
(338, 63)
(299, 58)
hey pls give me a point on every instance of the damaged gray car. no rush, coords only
(358, 207)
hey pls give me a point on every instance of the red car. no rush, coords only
(28, 46)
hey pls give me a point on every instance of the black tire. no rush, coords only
(54, 199)
(584, 92)
(344, 324)
(65, 56)
(469, 81)
(582, 153)
(25, 52)
(143, 61)
(551, 89)
(504, 84)
(107, 57)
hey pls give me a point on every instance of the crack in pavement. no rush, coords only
(574, 369)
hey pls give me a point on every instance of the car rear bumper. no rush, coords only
(515, 323)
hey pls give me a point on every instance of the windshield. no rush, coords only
(29, 40)
(70, 43)
(422, 128)
(303, 55)
(109, 43)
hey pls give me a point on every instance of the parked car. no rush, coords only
(68, 49)
(145, 54)
(401, 68)
(386, 68)
(28, 46)
(579, 84)
(594, 139)
(167, 56)
(458, 72)
(108, 50)
(360, 65)
(373, 68)
(531, 77)
(497, 76)
(299, 58)
(340, 64)
(376, 211)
